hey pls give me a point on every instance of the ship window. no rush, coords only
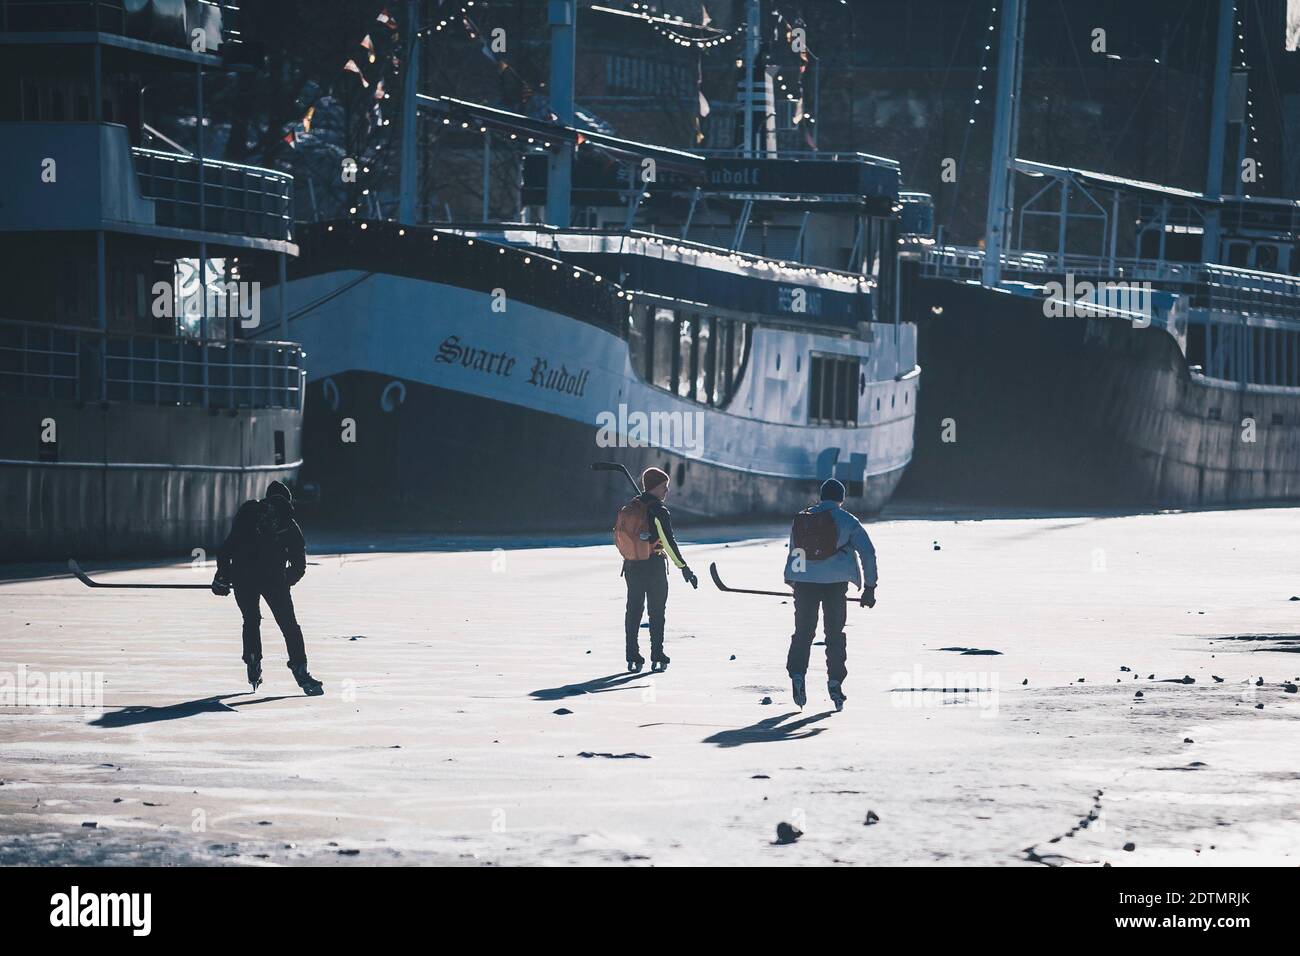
(738, 354)
(640, 334)
(1197, 335)
(696, 356)
(705, 358)
(141, 302)
(1249, 354)
(833, 390)
(685, 358)
(721, 390)
(665, 336)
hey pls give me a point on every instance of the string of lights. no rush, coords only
(1250, 115)
(981, 76)
(984, 66)
(803, 116)
(462, 13)
(673, 34)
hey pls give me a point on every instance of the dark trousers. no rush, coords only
(832, 601)
(278, 599)
(647, 584)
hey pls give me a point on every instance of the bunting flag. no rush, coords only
(801, 119)
(369, 46)
(502, 65)
(386, 19)
(703, 110)
(379, 90)
(351, 67)
(306, 120)
(291, 139)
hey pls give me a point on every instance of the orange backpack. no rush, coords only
(632, 534)
(815, 534)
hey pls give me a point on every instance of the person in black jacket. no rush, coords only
(647, 581)
(264, 556)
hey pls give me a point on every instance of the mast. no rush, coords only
(1005, 123)
(561, 15)
(1218, 129)
(752, 14)
(410, 84)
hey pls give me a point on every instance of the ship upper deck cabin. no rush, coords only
(130, 245)
(660, 219)
(1235, 309)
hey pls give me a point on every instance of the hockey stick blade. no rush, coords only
(85, 579)
(717, 579)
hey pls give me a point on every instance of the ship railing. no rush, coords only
(46, 361)
(1229, 289)
(117, 17)
(235, 199)
(613, 239)
(968, 262)
(1211, 286)
(820, 155)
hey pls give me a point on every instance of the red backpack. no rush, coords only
(632, 534)
(815, 534)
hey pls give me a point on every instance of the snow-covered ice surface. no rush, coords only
(440, 739)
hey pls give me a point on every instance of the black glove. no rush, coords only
(220, 586)
(868, 597)
(689, 577)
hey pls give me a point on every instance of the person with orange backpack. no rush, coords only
(826, 544)
(643, 533)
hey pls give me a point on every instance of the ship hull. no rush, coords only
(125, 480)
(489, 466)
(428, 410)
(1022, 409)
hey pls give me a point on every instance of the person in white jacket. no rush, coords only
(826, 545)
